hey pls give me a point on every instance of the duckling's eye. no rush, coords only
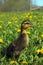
(27, 23)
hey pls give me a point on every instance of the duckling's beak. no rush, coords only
(31, 26)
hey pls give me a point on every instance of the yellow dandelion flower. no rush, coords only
(41, 51)
(0, 26)
(38, 51)
(28, 32)
(24, 62)
(18, 30)
(9, 22)
(41, 35)
(30, 17)
(1, 41)
(13, 62)
(36, 57)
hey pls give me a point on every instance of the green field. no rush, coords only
(10, 23)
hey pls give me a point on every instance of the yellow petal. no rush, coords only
(41, 51)
(25, 62)
(30, 17)
(13, 62)
(38, 51)
(0, 26)
(28, 32)
(1, 41)
(41, 35)
(18, 30)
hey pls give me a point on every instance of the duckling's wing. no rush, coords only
(19, 43)
(16, 47)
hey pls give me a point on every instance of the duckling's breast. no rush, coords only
(23, 41)
(26, 39)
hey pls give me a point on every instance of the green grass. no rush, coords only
(10, 23)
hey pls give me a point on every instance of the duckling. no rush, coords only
(17, 46)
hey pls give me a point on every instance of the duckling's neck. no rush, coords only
(25, 36)
(23, 32)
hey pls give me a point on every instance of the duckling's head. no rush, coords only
(26, 24)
